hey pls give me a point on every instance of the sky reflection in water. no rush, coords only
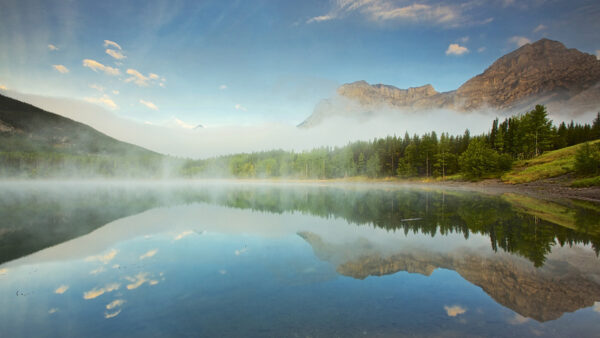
(239, 261)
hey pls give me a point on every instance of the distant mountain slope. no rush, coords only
(544, 72)
(24, 127)
(35, 143)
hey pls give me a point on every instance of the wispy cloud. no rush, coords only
(153, 76)
(184, 125)
(97, 271)
(223, 87)
(138, 280)
(108, 43)
(240, 107)
(61, 69)
(149, 254)
(115, 54)
(116, 92)
(109, 315)
(149, 104)
(456, 49)
(97, 66)
(52, 47)
(480, 49)
(519, 41)
(388, 10)
(61, 289)
(97, 87)
(97, 292)
(539, 28)
(455, 310)
(104, 100)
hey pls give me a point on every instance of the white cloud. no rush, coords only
(137, 78)
(183, 124)
(153, 76)
(105, 100)
(162, 84)
(519, 40)
(223, 87)
(455, 310)
(52, 310)
(108, 43)
(52, 47)
(97, 271)
(149, 104)
(115, 54)
(481, 49)
(115, 303)
(183, 234)
(61, 69)
(320, 18)
(139, 280)
(240, 107)
(540, 27)
(95, 292)
(97, 87)
(3, 87)
(456, 49)
(112, 314)
(61, 289)
(149, 254)
(388, 10)
(106, 258)
(96, 66)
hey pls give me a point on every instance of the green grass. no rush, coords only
(586, 182)
(551, 164)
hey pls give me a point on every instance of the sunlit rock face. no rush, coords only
(568, 281)
(544, 72)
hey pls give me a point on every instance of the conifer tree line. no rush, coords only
(517, 137)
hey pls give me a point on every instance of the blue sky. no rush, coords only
(250, 62)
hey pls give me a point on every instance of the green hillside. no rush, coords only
(37, 143)
(550, 164)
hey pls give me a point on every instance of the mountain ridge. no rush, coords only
(544, 72)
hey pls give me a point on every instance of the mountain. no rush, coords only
(38, 142)
(544, 72)
(567, 282)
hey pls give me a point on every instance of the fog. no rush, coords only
(338, 130)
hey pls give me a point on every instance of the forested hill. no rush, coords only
(34, 142)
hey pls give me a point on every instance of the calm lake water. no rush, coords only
(283, 260)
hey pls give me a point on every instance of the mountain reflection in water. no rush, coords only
(537, 258)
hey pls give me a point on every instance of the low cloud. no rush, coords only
(519, 41)
(240, 107)
(61, 69)
(97, 66)
(61, 289)
(456, 49)
(108, 43)
(455, 310)
(137, 78)
(115, 54)
(149, 104)
(103, 100)
(52, 47)
(110, 315)
(149, 254)
(139, 280)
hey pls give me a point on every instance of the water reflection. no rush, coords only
(261, 260)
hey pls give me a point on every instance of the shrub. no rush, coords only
(587, 159)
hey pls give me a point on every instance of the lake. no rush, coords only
(244, 259)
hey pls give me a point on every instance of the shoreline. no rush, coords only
(547, 189)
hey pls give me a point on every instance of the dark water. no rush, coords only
(226, 259)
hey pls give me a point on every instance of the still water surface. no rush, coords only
(230, 259)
